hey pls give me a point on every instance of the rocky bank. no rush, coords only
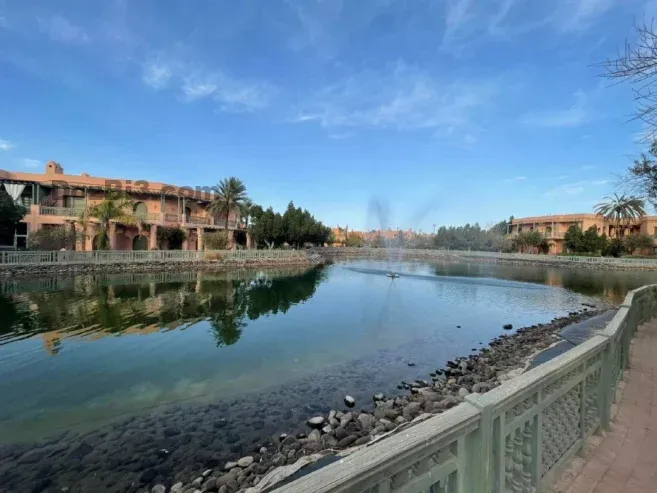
(339, 430)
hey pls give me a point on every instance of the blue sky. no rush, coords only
(446, 112)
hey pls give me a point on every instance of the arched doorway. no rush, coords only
(188, 212)
(140, 210)
(140, 242)
(94, 243)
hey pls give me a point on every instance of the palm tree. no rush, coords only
(116, 207)
(246, 212)
(230, 196)
(620, 209)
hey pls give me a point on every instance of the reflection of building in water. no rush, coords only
(142, 309)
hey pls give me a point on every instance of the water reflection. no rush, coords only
(90, 308)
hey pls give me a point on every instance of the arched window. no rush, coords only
(548, 231)
(140, 242)
(140, 210)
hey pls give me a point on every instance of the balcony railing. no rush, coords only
(171, 218)
(198, 220)
(150, 217)
(59, 211)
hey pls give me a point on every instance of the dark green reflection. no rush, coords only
(97, 306)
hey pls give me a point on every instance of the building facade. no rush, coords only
(57, 199)
(553, 228)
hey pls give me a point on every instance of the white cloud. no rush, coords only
(574, 188)
(569, 189)
(5, 145)
(156, 74)
(341, 135)
(194, 84)
(574, 116)
(458, 20)
(60, 29)
(402, 97)
(578, 15)
(515, 179)
(31, 163)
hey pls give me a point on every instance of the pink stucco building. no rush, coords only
(55, 198)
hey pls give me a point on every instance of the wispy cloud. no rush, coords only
(30, 163)
(574, 116)
(578, 15)
(60, 29)
(574, 188)
(156, 74)
(194, 84)
(5, 145)
(458, 16)
(515, 179)
(341, 135)
(402, 97)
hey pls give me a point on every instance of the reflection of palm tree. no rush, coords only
(227, 328)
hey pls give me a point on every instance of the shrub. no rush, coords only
(216, 240)
(54, 238)
(170, 237)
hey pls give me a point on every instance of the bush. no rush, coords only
(170, 237)
(54, 238)
(216, 240)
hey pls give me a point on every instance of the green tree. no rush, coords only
(216, 240)
(230, 196)
(638, 242)
(54, 238)
(355, 241)
(574, 239)
(170, 237)
(116, 208)
(620, 210)
(11, 214)
(591, 241)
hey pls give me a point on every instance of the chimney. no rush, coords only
(53, 168)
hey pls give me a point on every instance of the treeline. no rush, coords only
(472, 237)
(591, 243)
(295, 227)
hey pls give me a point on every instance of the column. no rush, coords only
(185, 245)
(249, 241)
(232, 244)
(89, 239)
(112, 236)
(152, 240)
(80, 238)
(199, 238)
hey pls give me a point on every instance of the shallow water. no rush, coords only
(101, 366)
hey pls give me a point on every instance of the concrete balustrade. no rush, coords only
(515, 438)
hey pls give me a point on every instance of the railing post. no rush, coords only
(476, 462)
(606, 384)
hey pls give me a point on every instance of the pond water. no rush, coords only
(108, 370)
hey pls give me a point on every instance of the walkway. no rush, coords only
(625, 458)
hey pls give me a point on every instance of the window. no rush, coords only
(548, 230)
(74, 202)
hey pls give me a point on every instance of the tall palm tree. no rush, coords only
(230, 196)
(116, 207)
(620, 210)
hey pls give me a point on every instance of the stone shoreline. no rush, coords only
(443, 255)
(344, 431)
(31, 271)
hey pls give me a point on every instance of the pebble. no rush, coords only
(206, 473)
(410, 363)
(176, 488)
(349, 402)
(159, 488)
(229, 466)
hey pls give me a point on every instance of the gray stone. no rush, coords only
(315, 435)
(345, 442)
(325, 430)
(345, 419)
(412, 410)
(222, 480)
(334, 422)
(463, 392)
(177, 488)
(332, 414)
(159, 488)
(400, 420)
(287, 441)
(206, 473)
(263, 450)
(197, 482)
(278, 460)
(230, 465)
(481, 387)
(367, 421)
(245, 461)
(316, 422)
(379, 397)
(349, 401)
(362, 440)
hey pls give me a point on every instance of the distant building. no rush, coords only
(553, 228)
(55, 198)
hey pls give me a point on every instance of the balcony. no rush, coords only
(200, 220)
(59, 211)
(150, 217)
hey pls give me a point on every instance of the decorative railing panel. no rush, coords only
(59, 211)
(513, 439)
(114, 256)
